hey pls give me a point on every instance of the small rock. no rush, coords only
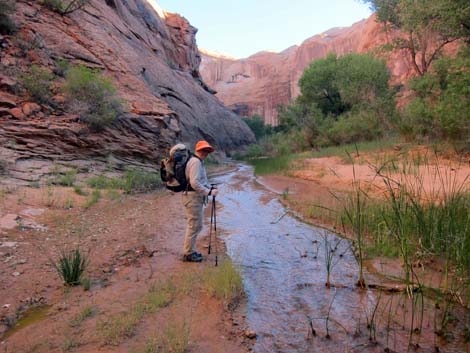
(250, 334)
(9, 244)
(8, 222)
(6, 306)
(17, 113)
(30, 108)
(32, 212)
(16, 274)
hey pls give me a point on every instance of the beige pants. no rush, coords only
(193, 202)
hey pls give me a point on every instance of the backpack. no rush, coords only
(173, 168)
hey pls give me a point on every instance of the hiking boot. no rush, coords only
(193, 257)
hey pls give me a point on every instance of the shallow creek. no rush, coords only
(283, 265)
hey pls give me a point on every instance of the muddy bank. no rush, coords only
(134, 246)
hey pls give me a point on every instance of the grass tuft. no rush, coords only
(121, 326)
(84, 314)
(71, 266)
(225, 283)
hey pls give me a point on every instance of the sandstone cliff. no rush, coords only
(261, 82)
(152, 59)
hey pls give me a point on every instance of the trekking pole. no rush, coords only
(210, 230)
(215, 230)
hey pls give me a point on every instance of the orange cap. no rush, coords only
(204, 145)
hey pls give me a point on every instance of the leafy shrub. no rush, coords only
(257, 125)
(71, 267)
(68, 179)
(7, 7)
(138, 180)
(92, 96)
(38, 83)
(440, 108)
(134, 180)
(60, 67)
(65, 7)
(362, 126)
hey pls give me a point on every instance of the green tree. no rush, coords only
(440, 107)
(343, 99)
(318, 85)
(351, 82)
(426, 26)
(257, 125)
(300, 120)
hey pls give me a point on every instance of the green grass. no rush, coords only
(94, 198)
(137, 180)
(352, 148)
(272, 165)
(120, 326)
(224, 282)
(283, 164)
(173, 339)
(84, 314)
(413, 222)
(103, 182)
(133, 180)
(68, 179)
(71, 266)
(79, 191)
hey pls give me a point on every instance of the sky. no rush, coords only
(244, 27)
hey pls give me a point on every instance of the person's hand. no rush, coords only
(214, 192)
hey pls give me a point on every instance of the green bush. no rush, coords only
(71, 266)
(138, 180)
(440, 107)
(7, 8)
(67, 179)
(361, 126)
(38, 83)
(257, 125)
(343, 99)
(65, 7)
(134, 180)
(92, 96)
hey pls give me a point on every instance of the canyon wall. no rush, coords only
(150, 56)
(260, 83)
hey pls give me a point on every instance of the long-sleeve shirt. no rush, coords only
(197, 177)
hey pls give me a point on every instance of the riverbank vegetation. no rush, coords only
(395, 157)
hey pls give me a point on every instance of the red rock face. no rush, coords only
(262, 82)
(152, 59)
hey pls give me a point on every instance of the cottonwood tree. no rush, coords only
(426, 26)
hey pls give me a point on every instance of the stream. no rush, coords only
(282, 261)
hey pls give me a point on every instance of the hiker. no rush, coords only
(194, 199)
